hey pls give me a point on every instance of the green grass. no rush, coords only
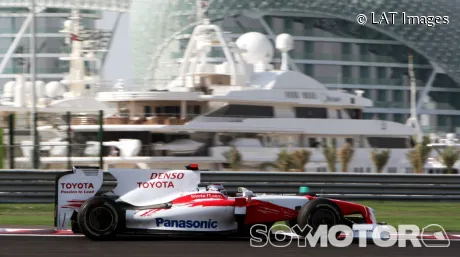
(393, 213)
(418, 213)
(27, 214)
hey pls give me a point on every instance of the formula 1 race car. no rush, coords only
(171, 202)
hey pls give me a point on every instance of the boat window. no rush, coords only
(311, 112)
(339, 114)
(291, 94)
(387, 142)
(312, 142)
(172, 109)
(411, 142)
(193, 109)
(158, 110)
(252, 111)
(196, 109)
(356, 114)
(147, 111)
(167, 110)
(349, 140)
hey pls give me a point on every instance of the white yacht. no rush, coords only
(434, 164)
(242, 102)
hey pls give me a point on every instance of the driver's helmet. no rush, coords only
(217, 188)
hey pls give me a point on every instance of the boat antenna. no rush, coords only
(413, 121)
(202, 7)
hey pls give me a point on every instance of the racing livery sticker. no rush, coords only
(167, 177)
(160, 222)
(77, 188)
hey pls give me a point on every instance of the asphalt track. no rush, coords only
(25, 246)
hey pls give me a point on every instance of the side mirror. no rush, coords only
(248, 193)
(242, 189)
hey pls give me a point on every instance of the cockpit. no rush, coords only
(213, 187)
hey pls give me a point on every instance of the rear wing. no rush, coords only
(72, 189)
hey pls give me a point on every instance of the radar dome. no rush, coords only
(284, 42)
(257, 48)
(54, 89)
(450, 136)
(8, 89)
(68, 25)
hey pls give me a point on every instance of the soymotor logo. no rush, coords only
(382, 236)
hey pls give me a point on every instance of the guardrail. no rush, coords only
(35, 186)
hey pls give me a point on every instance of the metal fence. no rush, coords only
(33, 186)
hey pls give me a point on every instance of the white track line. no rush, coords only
(10, 232)
(38, 235)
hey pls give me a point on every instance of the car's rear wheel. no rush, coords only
(316, 213)
(98, 218)
(74, 223)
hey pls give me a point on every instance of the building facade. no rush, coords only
(50, 44)
(330, 46)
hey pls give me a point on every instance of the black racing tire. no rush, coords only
(318, 212)
(99, 218)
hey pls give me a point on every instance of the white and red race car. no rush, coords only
(171, 202)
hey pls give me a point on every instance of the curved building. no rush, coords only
(50, 44)
(330, 46)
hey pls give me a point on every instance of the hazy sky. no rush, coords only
(119, 63)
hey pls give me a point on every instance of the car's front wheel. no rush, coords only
(98, 218)
(317, 213)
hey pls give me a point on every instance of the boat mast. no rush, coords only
(84, 43)
(202, 11)
(413, 121)
(203, 38)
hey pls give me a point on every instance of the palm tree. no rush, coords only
(287, 161)
(380, 159)
(345, 155)
(234, 157)
(415, 160)
(449, 157)
(300, 158)
(419, 155)
(330, 153)
(284, 161)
